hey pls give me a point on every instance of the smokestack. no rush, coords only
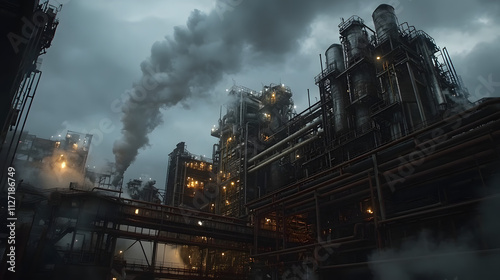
(196, 58)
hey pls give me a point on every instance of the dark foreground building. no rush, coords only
(27, 28)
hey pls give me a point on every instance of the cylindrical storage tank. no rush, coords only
(340, 102)
(357, 41)
(361, 83)
(386, 22)
(362, 115)
(335, 58)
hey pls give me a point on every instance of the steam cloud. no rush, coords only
(196, 58)
(428, 257)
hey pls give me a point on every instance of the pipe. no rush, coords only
(460, 138)
(440, 154)
(321, 63)
(295, 134)
(282, 154)
(427, 129)
(318, 219)
(456, 162)
(435, 83)
(340, 181)
(379, 190)
(437, 155)
(324, 204)
(324, 244)
(416, 93)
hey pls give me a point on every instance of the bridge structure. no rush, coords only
(74, 234)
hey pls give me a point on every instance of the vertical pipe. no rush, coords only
(174, 191)
(416, 93)
(321, 63)
(255, 233)
(113, 248)
(309, 100)
(318, 220)
(20, 99)
(245, 173)
(26, 115)
(405, 123)
(375, 211)
(284, 226)
(379, 189)
(153, 255)
(184, 169)
(435, 83)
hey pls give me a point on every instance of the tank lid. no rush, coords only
(383, 7)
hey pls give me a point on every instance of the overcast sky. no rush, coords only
(102, 51)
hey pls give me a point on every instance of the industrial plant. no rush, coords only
(392, 174)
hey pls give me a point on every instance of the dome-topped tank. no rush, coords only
(335, 58)
(386, 22)
(356, 42)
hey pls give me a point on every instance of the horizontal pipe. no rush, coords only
(394, 170)
(416, 175)
(443, 145)
(294, 135)
(383, 147)
(440, 208)
(325, 204)
(292, 197)
(324, 244)
(448, 121)
(281, 154)
(439, 155)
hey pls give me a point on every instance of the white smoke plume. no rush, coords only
(191, 62)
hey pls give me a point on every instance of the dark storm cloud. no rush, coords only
(94, 55)
(428, 15)
(80, 76)
(198, 55)
(480, 70)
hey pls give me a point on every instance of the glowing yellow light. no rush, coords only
(121, 252)
(136, 211)
(378, 57)
(63, 165)
(223, 253)
(232, 183)
(369, 211)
